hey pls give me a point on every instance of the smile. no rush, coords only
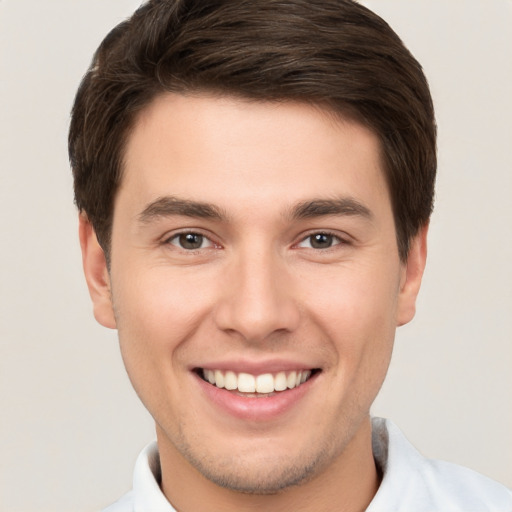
(265, 383)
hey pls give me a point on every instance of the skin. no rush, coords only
(256, 290)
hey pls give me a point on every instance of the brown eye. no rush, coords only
(320, 241)
(190, 241)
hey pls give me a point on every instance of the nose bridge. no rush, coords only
(258, 299)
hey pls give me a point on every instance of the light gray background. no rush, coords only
(70, 425)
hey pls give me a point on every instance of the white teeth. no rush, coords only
(291, 381)
(280, 383)
(265, 383)
(230, 381)
(246, 383)
(210, 375)
(219, 379)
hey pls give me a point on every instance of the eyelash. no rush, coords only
(334, 239)
(177, 236)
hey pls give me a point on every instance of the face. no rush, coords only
(255, 283)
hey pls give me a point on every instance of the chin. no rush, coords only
(258, 473)
(262, 477)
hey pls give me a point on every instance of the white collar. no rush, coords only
(410, 482)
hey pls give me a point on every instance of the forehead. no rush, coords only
(232, 152)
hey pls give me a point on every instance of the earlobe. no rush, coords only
(96, 274)
(411, 278)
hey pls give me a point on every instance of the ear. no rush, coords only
(411, 277)
(96, 274)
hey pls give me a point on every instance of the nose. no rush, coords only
(258, 298)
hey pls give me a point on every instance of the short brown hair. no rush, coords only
(334, 53)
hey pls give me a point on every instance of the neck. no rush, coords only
(347, 484)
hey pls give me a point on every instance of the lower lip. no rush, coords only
(253, 408)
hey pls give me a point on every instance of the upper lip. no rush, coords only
(256, 367)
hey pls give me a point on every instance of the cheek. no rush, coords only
(361, 299)
(157, 299)
(357, 313)
(156, 313)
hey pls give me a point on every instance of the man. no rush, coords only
(255, 181)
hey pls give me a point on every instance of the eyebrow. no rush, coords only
(323, 207)
(170, 205)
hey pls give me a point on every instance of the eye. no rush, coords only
(190, 241)
(320, 241)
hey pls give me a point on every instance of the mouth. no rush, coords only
(259, 386)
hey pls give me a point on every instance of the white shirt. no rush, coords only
(410, 483)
